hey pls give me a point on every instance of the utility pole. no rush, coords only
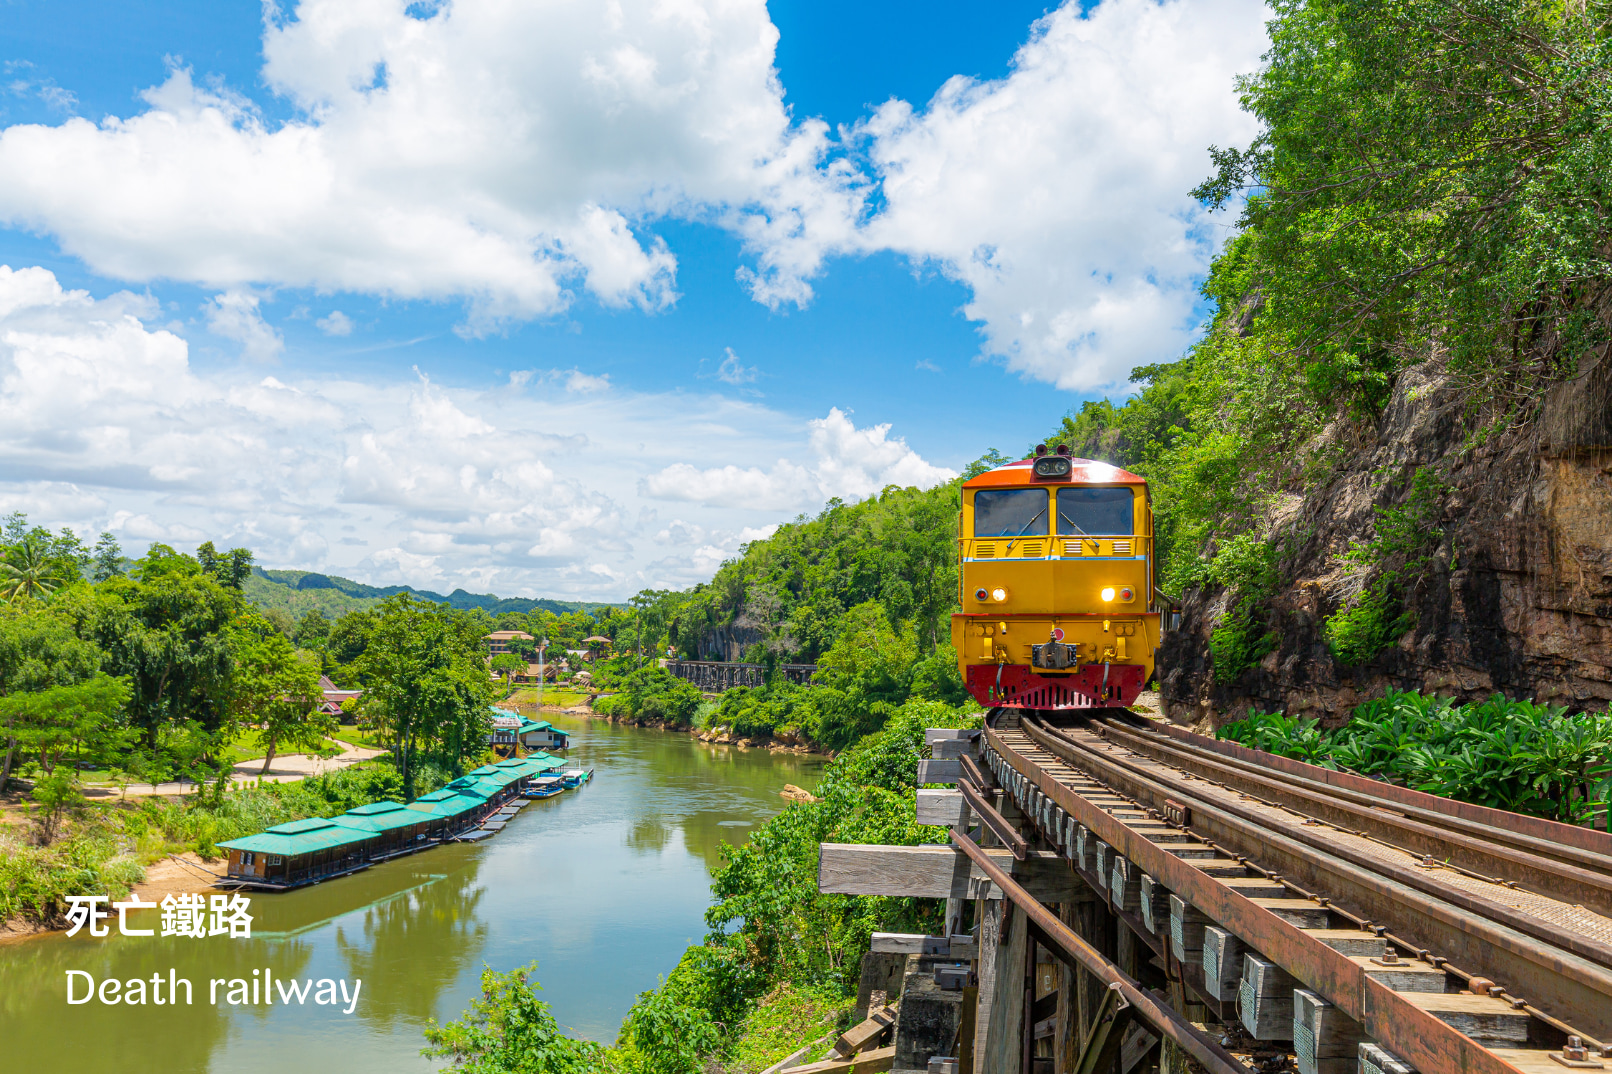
(541, 649)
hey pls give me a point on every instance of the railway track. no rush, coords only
(1323, 916)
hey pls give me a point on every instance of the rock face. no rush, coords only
(1519, 596)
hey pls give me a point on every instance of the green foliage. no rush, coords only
(1391, 564)
(1245, 565)
(782, 1020)
(665, 1034)
(508, 1030)
(653, 693)
(1430, 171)
(427, 690)
(55, 794)
(102, 852)
(1513, 755)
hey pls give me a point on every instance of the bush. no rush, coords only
(1512, 755)
(508, 1030)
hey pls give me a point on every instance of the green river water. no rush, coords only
(603, 886)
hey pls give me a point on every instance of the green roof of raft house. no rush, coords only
(303, 851)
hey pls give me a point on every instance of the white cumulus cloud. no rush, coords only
(105, 424)
(848, 463)
(512, 156)
(1059, 194)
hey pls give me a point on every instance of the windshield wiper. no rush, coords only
(1072, 525)
(1022, 532)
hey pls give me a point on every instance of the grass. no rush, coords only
(354, 735)
(788, 1018)
(562, 696)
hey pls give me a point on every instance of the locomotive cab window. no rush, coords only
(1088, 511)
(1011, 513)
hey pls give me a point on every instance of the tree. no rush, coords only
(508, 1030)
(27, 571)
(231, 568)
(56, 794)
(276, 689)
(108, 561)
(427, 685)
(508, 664)
(167, 633)
(281, 620)
(38, 650)
(78, 717)
(313, 629)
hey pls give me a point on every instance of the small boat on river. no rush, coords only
(545, 787)
(576, 777)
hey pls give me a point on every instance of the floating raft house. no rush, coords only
(319, 848)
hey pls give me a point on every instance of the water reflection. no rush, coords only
(603, 887)
(439, 917)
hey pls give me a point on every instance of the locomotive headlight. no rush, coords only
(1052, 466)
(999, 594)
(1108, 593)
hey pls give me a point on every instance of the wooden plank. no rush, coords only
(1186, 930)
(946, 771)
(1301, 912)
(915, 943)
(1266, 1002)
(1125, 882)
(943, 808)
(874, 1062)
(1483, 1018)
(1325, 1040)
(859, 1037)
(937, 871)
(1375, 1059)
(933, 735)
(1350, 941)
(1154, 898)
(1222, 963)
(951, 748)
(1406, 976)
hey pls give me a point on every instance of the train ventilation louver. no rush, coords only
(1122, 548)
(984, 551)
(1071, 548)
(1033, 548)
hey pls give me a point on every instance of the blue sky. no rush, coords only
(571, 305)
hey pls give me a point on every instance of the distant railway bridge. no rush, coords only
(714, 676)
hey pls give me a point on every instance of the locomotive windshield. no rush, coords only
(1011, 513)
(1092, 511)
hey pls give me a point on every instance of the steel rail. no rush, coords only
(1552, 832)
(1427, 1044)
(1411, 876)
(1077, 951)
(993, 820)
(1474, 931)
(1554, 869)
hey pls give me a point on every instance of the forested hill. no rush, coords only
(299, 592)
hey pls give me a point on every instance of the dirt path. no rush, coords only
(286, 769)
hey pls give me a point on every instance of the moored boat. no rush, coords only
(576, 777)
(545, 787)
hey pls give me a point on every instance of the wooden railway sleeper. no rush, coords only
(1083, 839)
(1596, 958)
(1586, 877)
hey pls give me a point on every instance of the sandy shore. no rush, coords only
(286, 769)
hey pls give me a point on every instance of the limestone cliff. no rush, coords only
(1519, 595)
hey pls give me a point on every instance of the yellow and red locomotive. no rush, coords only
(1056, 584)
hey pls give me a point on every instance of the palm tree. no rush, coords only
(30, 573)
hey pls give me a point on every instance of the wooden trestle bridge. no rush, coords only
(1125, 897)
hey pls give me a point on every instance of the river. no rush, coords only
(603, 886)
